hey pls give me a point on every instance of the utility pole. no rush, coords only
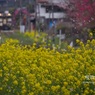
(38, 8)
(35, 17)
(52, 12)
(53, 20)
(20, 12)
(7, 6)
(22, 27)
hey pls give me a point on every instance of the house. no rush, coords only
(48, 13)
(50, 9)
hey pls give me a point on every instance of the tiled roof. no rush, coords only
(59, 3)
(42, 1)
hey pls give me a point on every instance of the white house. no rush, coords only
(49, 12)
(50, 9)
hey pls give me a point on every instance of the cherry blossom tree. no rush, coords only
(81, 12)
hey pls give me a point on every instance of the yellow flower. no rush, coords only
(78, 83)
(65, 83)
(77, 40)
(37, 85)
(31, 93)
(48, 82)
(90, 34)
(15, 82)
(1, 88)
(0, 74)
(40, 71)
(55, 88)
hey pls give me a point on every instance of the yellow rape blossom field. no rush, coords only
(42, 71)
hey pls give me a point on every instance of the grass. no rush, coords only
(29, 39)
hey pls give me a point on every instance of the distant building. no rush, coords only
(2, 2)
(48, 12)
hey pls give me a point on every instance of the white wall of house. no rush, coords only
(56, 1)
(42, 13)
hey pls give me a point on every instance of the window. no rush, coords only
(55, 9)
